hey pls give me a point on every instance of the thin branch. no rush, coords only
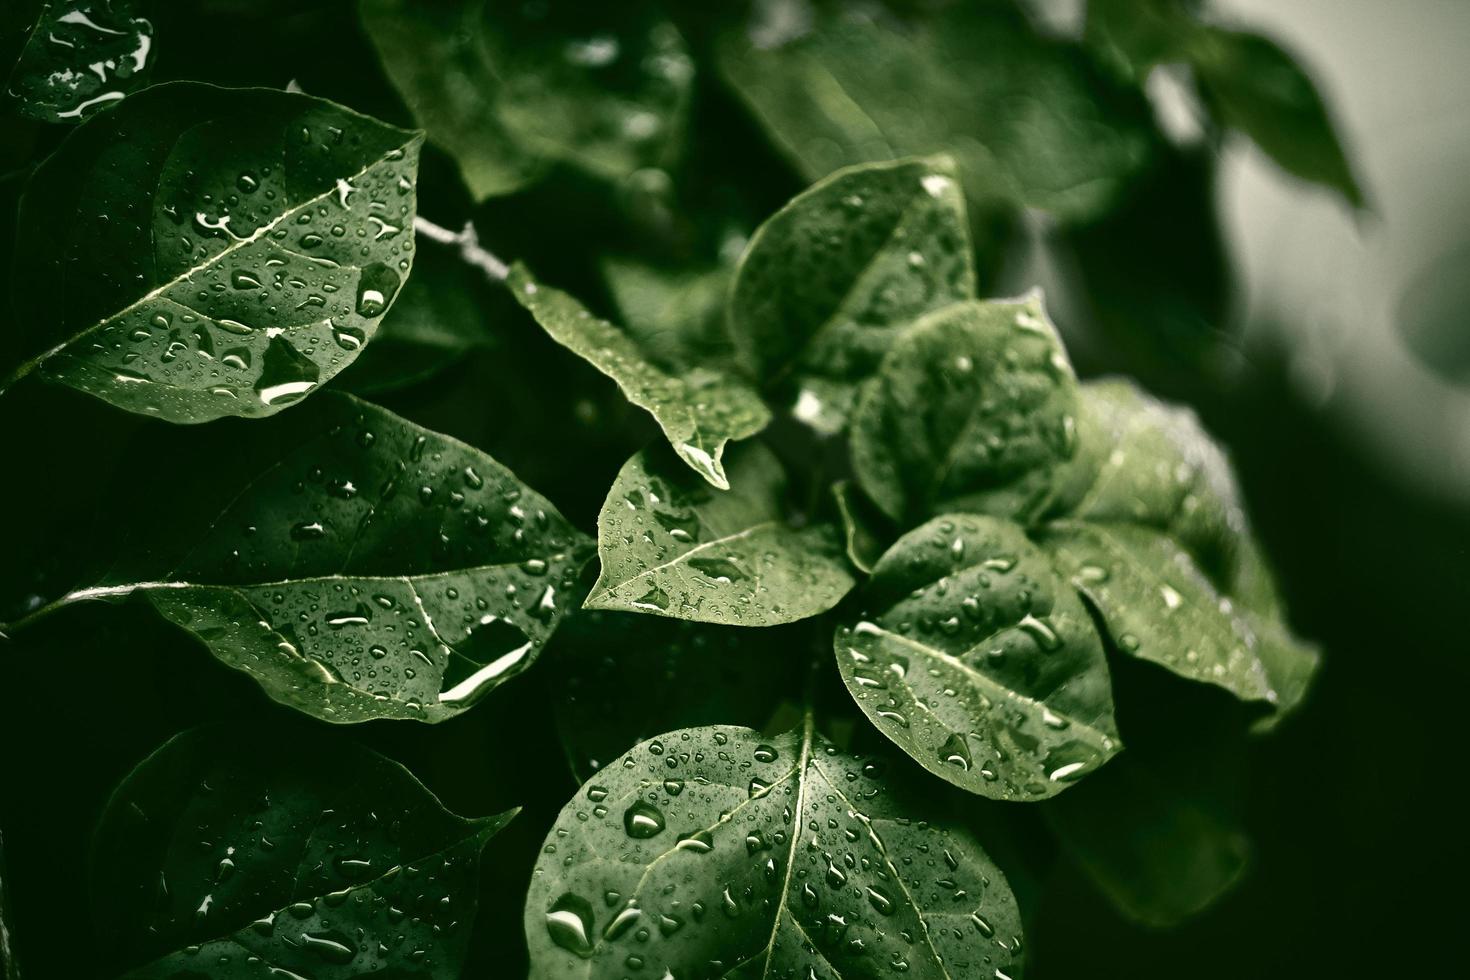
(468, 242)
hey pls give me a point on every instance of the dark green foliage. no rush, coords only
(842, 497)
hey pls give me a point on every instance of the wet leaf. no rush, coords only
(700, 410)
(509, 90)
(1030, 124)
(219, 857)
(355, 565)
(1159, 856)
(1153, 533)
(712, 852)
(980, 662)
(672, 545)
(200, 252)
(829, 282)
(82, 56)
(974, 408)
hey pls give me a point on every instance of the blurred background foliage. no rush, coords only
(1255, 208)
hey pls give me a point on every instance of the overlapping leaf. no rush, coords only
(832, 279)
(980, 662)
(713, 852)
(1153, 533)
(508, 90)
(355, 565)
(672, 545)
(973, 408)
(218, 857)
(700, 410)
(82, 56)
(200, 252)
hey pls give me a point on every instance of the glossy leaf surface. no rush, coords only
(980, 662)
(833, 278)
(82, 56)
(1156, 537)
(700, 410)
(356, 565)
(215, 858)
(672, 545)
(200, 252)
(717, 852)
(973, 408)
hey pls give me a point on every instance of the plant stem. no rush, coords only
(81, 595)
(468, 242)
(9, 968)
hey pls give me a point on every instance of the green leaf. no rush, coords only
(1030, 124)
(829, 282)
(508, 90)
(1159, 856)
(676, 316)
(717, 852)
(1153, 532)
(699, 410)
(355, 565)
(866, 530)
(672, 545)
(619, 678)
(1158, 605)
(200, 252)
(974, 408)
(979, 661)
(437, 56)
(219, 857)
(81, 56)
(1260, 89)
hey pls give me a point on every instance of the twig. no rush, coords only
(468, 242)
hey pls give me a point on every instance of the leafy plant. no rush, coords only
(840, 497)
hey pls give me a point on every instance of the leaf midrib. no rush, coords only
(158, 291)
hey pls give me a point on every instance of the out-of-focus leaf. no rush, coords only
(356, 565)
(81, 56)
(619, 678)
(832, 279)
(672, 545)
(218, 857)
(980, 662)
(677, 316)
(973, 408)
(716, 852)
(1261, 90)
(508, 88)
(867, 530)
(1159, 856)
(1030, 124)
(700, 410)
(200, 252)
